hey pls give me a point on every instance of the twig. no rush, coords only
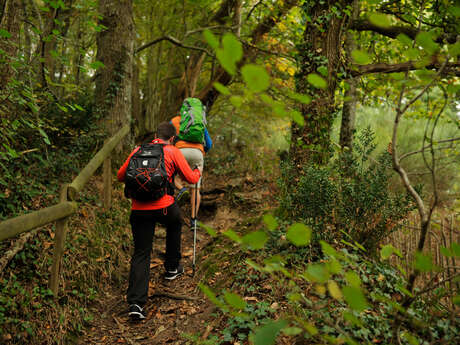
(173, 41)
(16, 248)
(124, 332)
(428, 146)
(270, 52)
(438, 284)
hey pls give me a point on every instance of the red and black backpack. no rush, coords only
(146, 178)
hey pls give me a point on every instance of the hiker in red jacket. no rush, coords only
(145, 215)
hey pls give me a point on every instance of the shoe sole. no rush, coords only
(136, 316)
(174, 276)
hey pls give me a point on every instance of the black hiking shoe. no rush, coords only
(136, 313)
(173, 274)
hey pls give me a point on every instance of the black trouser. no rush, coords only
(143, 228)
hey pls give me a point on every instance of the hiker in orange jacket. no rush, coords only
(145, 215)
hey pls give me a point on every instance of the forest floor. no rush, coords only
(179, 307)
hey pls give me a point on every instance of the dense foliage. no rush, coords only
(350, 198)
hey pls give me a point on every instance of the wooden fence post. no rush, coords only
(107, 177)
(59, 245)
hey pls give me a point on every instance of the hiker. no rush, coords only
(193, 141)
(145, 214)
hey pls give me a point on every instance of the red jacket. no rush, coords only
(174, 162)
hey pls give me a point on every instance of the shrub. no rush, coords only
(348, 199)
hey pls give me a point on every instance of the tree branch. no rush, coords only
(359, 70)
(173, 41)
(428, 146)
(394, 31)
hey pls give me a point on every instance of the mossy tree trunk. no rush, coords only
(9, 21)
(319, 54)
(115, 48)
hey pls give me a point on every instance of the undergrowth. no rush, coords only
(96, 252)
(343, 296)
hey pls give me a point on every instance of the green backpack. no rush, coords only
(192, 121)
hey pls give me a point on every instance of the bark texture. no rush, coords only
(115, 48)
(10, 21)
(321, 48)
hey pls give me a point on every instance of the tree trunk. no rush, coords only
(115, 48)
(347, 127)
(9, 22)
(321, 48)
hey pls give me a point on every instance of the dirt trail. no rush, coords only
(175, 307)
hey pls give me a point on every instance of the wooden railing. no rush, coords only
(67, 206)
(444, 232)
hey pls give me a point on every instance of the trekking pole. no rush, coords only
(194, 230)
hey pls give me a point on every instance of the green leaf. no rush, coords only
(211, 39)
(237, 101)
(96, 65)
(410, 338)
(315, 80)
(317, 273)
(232, 46)
(45, 136)
(255, 77)
(423, 263)
(322, 70)
(298, 117)
(232, 235)
(221, 88)
(404, 39)
(353, 279)
(299, 234)
(212, 297)
(328, 249)
(305, 99)
(379, 19)
(454, 49)
(234, 300)
(334, 266)
(387, 251)
(4, 33)
(360, 57)
(209, 230)
(256, 239)
(334, 290)
(355, 298)
(290, 331)
(226, 60)
(456, 249)
(350, 317)
(266, 335)
(271, 222)
(425, 40)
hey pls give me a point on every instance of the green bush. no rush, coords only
(350, 198)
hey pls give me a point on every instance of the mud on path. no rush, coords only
(177, 307)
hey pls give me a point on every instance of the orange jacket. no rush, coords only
(181, 143)
(174, 162)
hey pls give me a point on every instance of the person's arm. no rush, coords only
(191, 176)
(207, 141)
(122, 171)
